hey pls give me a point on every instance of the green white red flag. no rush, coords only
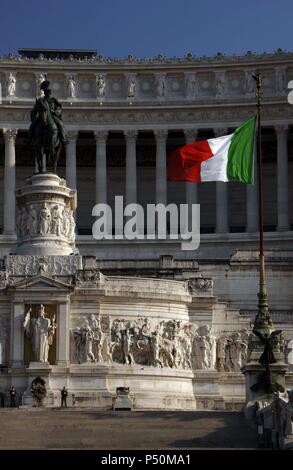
(226, 158)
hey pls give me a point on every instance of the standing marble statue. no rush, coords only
(11, 84)
(191, 86)
(249, 82)
(131, 88)
(220, 86)
(101, 86)
(40, 330)
(161, 86)
(71, 85)
(281, 81)
(39, 80)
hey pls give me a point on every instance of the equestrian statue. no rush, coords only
(47, 134)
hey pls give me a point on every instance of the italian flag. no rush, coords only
(226, 158)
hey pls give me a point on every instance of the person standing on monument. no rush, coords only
(64, 394)
(12, 394)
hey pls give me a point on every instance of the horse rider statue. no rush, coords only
(47, 133)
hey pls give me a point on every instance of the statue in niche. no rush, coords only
(281, 81)
(40, 330)
(101, 86)
(39, 80)
(249, 82)
(220, 86)
(191, 86)
(45, 219)
(161, 86)
(71, 85)
(11, 84)
(131, 88)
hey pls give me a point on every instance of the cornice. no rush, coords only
(99, 63)
(147, 119)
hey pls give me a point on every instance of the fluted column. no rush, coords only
(252, 200)
(17, 334)
(71, 159)
(161, 166)
(222, 223)
(63, 334)
(190, 188)
(101, 167)
(9, 182)
(131, 178)
(282, 178)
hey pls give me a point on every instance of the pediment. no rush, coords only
(41, 283)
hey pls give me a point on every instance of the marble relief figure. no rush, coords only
(56, 215)
(45, 219)
(232, 350)
(171, 344)
(40, 330)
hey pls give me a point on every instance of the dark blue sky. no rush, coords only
(147, 27)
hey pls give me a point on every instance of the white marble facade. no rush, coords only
(173, 326)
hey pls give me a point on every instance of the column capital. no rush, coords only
(72, 136)
(10, 134)
(38, 74)
(281, 128)
(161, 134)
(101, 135)
(220, 131)
(130, 134)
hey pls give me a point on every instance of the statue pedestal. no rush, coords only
(122, 401)
(253, 372)
(44, 220)
(43, 370)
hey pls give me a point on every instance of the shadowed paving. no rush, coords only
(90, 429)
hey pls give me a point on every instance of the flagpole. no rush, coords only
(263, 318)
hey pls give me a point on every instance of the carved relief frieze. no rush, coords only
(29, 265)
